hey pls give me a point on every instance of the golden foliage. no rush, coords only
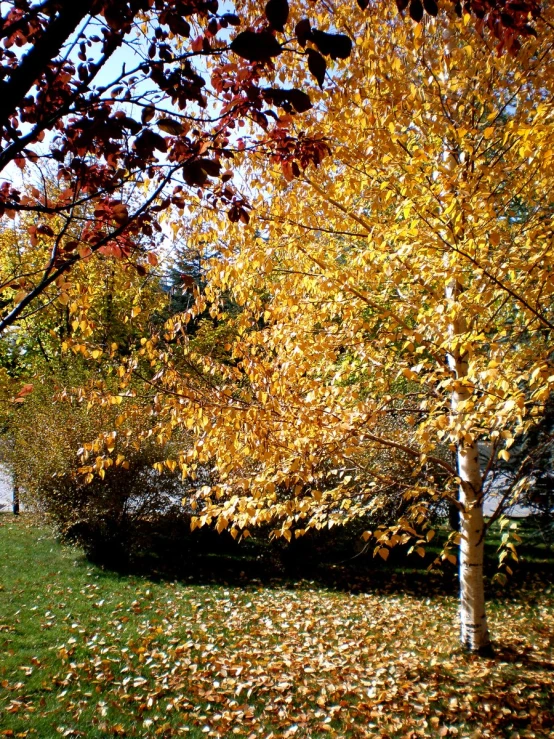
(426, 234)
(441, 174)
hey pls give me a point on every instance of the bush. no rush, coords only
(115, 517)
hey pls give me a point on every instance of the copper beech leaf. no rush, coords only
(197, 171)
(303, 31)
(147, 113)
(256, 47)
(416, 10)
(317, 65)
(290, 99)
(431, 7)
(335, 45)
(277, 13)
(171, 126)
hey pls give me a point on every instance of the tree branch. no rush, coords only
(45, 49)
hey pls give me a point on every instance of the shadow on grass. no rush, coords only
(521, 655)
(513, 694)
(330, 560)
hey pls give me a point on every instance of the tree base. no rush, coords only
(487, 651)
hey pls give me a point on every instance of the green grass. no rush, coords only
(88, 652)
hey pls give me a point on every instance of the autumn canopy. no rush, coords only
(369, 189)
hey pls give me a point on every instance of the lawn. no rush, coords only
(89, 652)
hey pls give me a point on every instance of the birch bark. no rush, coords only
(474, 632)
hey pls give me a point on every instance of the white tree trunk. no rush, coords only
(473, 620)
(474, 632)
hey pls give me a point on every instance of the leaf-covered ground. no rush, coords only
(85, 652)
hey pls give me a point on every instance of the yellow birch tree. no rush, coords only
(395, 303)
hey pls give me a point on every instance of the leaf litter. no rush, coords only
(171, 659)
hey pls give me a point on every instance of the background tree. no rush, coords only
(76, 339)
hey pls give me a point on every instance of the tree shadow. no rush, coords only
(513, 694)
(522, 654)
(328, 560)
